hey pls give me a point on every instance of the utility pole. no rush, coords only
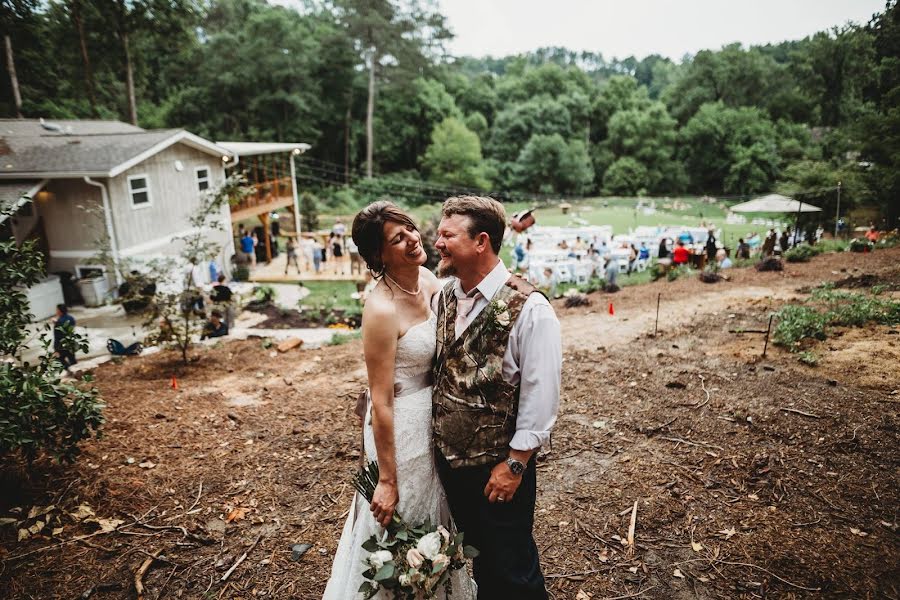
(837, 214)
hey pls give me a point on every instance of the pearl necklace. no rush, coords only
(403, 289)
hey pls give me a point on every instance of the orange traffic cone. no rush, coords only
(175, 381)
(612, 311)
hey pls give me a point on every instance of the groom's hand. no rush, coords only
(503, 484)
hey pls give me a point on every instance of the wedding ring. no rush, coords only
(501, 499)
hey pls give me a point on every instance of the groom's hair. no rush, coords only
(485, 214)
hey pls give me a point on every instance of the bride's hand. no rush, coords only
(384, 502)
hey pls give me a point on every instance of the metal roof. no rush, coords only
(254, 148)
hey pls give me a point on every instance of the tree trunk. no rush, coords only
(129, 78)
(13, 80)
(85, 59)
(370, 112)
(347, 146)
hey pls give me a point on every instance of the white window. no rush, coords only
(139, 188)
(202, 178)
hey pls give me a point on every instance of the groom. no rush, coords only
(496, 394)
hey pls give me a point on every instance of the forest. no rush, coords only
(371, 86)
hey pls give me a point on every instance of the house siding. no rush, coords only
(174, 196)
(72, 215)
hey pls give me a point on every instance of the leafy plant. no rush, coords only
(808, 358)
(801, 253)
(40, 412)
(796, 323)
(861, 245)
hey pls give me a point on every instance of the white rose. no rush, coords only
(377, 559)
(430, 545)
(503, 319)
(441, 562)
(501, 305)
(404, 580)
(414, 558)
(444, 533)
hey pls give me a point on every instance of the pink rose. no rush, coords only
(414, 558)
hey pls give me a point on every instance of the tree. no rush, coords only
(387, 38)
(10, 13)
(476, 123)
(549, 165)
(620, 93)
(172, 316)
(730, 150)
(454, 156)
(40, 412)
(649, 136)
(880, 130)
(309, 211)
(625, 177)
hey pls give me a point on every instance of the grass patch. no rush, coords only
(831, 308)
(339, 339)
(334, 294)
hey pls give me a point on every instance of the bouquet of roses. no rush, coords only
(411, 562)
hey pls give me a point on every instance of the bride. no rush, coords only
(399, 340)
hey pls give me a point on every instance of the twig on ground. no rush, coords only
(781, 579)
(629, 552)
(690, 443)
(576, 574)
(142, 570)
(800, 412)
(199, 493)
(634, 595)
(703, 385)
(242, 558)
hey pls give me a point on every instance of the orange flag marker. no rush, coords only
(175, 381)
(611, 309)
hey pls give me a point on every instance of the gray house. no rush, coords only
(72, 183)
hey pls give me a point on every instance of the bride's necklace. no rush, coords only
(416, 292)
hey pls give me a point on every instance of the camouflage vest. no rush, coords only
(474, 409)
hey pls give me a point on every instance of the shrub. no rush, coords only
(802, 253)
(39, 411)
(241, 273)
(861, 245)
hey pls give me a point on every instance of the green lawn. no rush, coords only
(336, 292)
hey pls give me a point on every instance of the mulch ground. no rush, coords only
(751, 477)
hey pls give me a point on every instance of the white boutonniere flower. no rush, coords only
(501, 313)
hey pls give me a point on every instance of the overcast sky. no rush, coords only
(640, 27)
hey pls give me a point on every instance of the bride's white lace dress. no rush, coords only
(421, 493)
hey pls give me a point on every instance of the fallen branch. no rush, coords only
(690, 443)
(781, 579)
(634, 595)
(703, 385)
(242, 558)
(630, 549)
(800, 412)
(142, 570)
(199, 493)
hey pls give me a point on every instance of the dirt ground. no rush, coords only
(752, 477)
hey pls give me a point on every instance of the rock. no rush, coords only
(216, 526)
(290, 344)
(832, 382)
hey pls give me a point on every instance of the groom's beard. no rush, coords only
(446, 269)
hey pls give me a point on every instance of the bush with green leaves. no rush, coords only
(861, 245)
(40, 412)
(801, 253)
(797, 323)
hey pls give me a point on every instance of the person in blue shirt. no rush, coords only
(644, 253)
(215, 327)
(64, 325)
(247, 248)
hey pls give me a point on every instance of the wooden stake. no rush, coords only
(768, 330)
(656, 326)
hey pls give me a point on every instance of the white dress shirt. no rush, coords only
(533, 359)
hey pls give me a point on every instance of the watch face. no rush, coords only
(515, 466)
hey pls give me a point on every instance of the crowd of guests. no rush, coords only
(337, 253)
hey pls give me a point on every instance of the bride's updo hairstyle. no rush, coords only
(368, 231)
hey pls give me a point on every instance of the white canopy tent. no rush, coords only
(774, 203)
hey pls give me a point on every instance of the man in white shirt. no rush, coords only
(496, 396)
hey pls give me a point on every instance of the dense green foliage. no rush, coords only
(797, 117)
(40, 412)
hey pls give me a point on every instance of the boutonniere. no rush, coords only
(499, 315)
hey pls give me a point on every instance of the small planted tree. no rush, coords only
(39, 412)
(173, 315)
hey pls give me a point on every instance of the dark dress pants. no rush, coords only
(508, 566)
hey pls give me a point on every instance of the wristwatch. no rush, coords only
(515, 466)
